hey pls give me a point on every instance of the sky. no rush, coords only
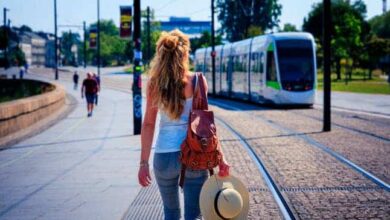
(39, 14)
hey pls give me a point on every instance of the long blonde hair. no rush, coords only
(167, 81)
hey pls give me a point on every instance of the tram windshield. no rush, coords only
(296, 64)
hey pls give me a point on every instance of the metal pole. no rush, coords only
(6, 32)
(98, 37)
(148, 36)
(213, 45)
(55, 41)
(327, 70)
(85, 45)
(137, 81)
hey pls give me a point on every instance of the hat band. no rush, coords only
(216, 204)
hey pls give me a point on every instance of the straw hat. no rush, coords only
(224, 198)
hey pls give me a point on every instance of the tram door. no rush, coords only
(272, 86)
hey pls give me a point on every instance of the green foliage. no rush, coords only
(348, 35)
(204, 41)
(113, 49)
(107, 26)
(154, 35)
(4, 38)
(25, 28)
(17, 57)
(68, 40)
(237, 17)
(254, 31)
(350, 30)
(289, 28)
(380, 25)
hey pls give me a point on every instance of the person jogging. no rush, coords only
(90, 87)
(75, 79)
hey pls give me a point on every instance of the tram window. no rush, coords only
(271, 67)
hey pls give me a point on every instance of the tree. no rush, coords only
(113, 49)
(17, 57)
(349, 29)
(380, 25)
(154, 35)
(69, 40)
(238, 16)
(204, 41)
(289, 28)
(25, 28)
(376, 49)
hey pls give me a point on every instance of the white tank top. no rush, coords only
(172, 133)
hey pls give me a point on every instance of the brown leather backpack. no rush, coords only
(201, 149)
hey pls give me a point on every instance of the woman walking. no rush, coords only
(170, 91)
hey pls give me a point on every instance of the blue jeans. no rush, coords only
(167, 169)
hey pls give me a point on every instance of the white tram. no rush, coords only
(275, 68)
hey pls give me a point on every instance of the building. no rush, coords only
(184, 24)
(33, 47)
(49, 49)
(25, 45)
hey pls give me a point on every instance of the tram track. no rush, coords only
(314, 143)
(274, 189)
(350, 128)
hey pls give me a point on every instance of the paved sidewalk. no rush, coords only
(374, 103)
(81, 168)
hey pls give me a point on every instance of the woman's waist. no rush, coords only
(172, 125)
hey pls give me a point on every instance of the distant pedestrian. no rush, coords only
(97, 78)
(89, 88)
(26, 67)
(21, 72)
(75, 79)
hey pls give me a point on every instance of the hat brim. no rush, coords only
(210, 189)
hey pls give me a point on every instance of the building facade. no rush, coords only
(184, 24)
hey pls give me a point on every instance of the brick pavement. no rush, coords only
(307, 176)
(352, 145)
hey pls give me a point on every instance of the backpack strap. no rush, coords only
(200, 96)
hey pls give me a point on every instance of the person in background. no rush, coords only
(21, 72)
(75, 79)
(97, 78)
(26, 67)
(89, 88)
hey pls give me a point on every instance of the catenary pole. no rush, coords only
(137, 69)
(327, 70)
(85, 44)
(55, 42)
(213, 45)
(6, 32)
(148, 37)
(98, 37)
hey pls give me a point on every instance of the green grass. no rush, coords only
(360, 87)
(357, 84)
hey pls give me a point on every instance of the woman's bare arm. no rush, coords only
(148, 126)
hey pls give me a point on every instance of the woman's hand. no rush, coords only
(144, 178)
(224, 169)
